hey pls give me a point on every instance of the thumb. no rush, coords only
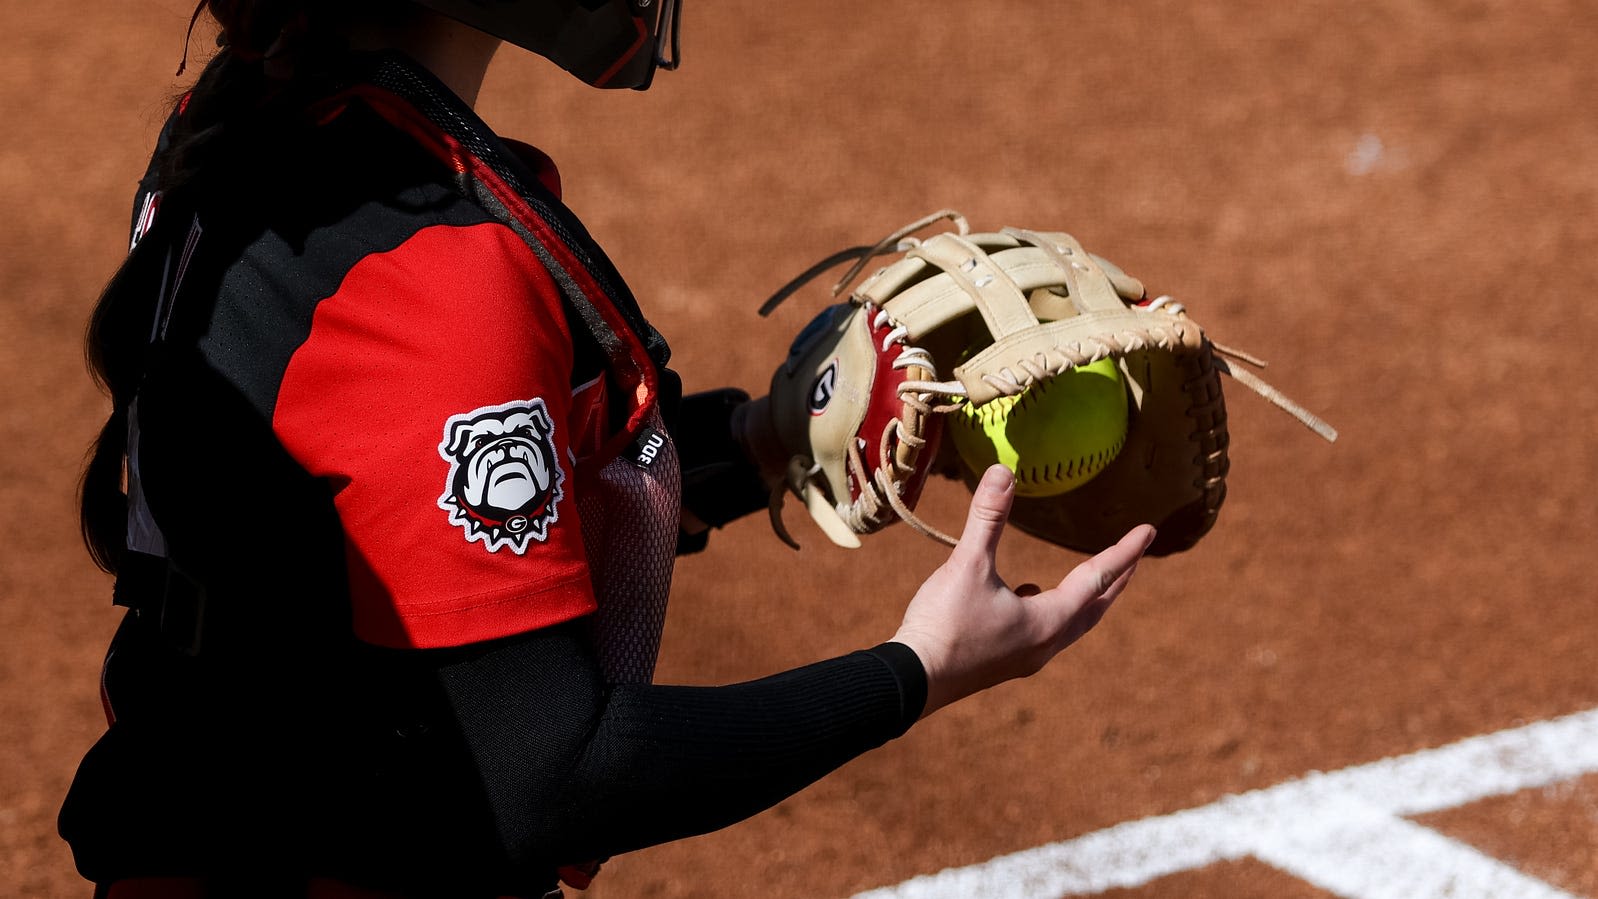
(990, 509)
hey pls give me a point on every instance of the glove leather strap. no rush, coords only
(996, 296)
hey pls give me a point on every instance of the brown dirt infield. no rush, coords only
(1392, 200)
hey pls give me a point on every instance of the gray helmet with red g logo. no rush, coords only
(607, 43)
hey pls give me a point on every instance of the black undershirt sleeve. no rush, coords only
(576, 771)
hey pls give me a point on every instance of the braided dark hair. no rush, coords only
(267, 51)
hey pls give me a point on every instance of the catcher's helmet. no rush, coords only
(607, 43)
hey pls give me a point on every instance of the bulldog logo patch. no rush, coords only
(504, 477)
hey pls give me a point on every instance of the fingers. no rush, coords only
(990, 509)
(1106, 574)
(1120, 583)
(1088, 591)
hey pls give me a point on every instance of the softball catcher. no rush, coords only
(392, 484)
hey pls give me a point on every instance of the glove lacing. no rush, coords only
(881, 492)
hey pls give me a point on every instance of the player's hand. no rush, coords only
(971, 631)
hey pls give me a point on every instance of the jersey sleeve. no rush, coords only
(434, 394)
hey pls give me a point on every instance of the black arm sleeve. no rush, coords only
(575, 771)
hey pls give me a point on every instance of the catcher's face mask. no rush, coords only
(606, 43)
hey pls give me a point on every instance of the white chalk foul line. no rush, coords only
(1365, 853)
(1342, 831)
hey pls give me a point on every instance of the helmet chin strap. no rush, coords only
(183, 64)
(670, 24)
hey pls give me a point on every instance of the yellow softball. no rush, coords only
(1056, 435)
